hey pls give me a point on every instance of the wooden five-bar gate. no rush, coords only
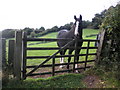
(20, 56)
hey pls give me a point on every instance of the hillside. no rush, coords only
(86, 32)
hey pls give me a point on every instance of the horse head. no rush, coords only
(78, 24)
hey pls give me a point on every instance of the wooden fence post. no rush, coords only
(11, 52)
(100, 45)
(4, 62)
(24, 55)
(18, 55)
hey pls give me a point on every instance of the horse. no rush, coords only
(74, 32)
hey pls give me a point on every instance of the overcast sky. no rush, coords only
(18, 14)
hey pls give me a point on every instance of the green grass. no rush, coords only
(51, 35)
(87, 32)
(60, 81)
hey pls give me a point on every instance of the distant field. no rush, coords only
(86, 32)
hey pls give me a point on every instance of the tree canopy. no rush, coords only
(97, 20)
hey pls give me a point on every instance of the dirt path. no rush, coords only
(92, 81)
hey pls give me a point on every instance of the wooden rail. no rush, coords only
(50, 65)
(34, 74)
(48, 39)
(56, 48)
(57, 56)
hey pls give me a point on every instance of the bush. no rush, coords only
(111, 51)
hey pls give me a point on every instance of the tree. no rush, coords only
(97, 20)
(28, 30)
(41, 29)
(8, 33)
(54, 29)
(86, 24)
(32, 34)
(66, 26)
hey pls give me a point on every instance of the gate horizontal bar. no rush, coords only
(37, 57)
(56, 48)
(34, 74)
(50, 65)
(45, 39)
(48, 39)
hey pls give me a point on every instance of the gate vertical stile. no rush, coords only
(24, 54)
(87, 52)
(53, 66)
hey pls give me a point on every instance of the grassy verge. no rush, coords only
(61, 81)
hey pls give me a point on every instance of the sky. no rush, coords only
(18, 14)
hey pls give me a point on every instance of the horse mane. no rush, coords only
(73, 27)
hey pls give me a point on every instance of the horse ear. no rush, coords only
(75, 17)
(80, 17)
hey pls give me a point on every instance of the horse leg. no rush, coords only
(77, 59)
(62, 59)
(70, 52)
